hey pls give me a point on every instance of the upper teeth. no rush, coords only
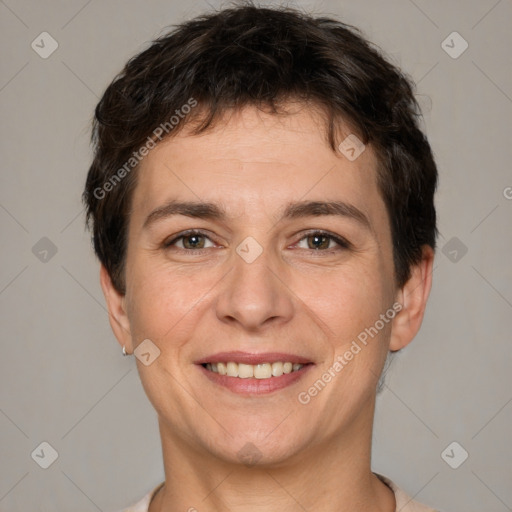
(258, 371)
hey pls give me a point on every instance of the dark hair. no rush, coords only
(250, 55)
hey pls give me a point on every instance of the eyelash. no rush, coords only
(342, 243)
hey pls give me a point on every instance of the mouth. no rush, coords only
(256, 371)
(254, 374)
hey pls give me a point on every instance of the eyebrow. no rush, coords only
(293, 210)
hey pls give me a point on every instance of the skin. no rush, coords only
(293, 298)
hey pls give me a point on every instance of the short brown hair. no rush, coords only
(261, 56)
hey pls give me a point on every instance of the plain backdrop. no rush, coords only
(63, 379)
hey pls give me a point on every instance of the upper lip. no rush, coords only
(252, 358)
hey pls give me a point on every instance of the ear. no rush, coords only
(116, 311)
(413, 297)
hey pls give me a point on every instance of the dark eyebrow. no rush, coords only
(292, 211)
(319, 208)
(188, 208)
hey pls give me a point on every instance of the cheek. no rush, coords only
(359, 338)
(163, 301)
(349, 302)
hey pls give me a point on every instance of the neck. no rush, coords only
(333, 476)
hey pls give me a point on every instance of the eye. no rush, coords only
(323, 241)
(189, 241)
(320, 241)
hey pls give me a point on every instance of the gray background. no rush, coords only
(63, 379)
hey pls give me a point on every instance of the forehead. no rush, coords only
(251, 163)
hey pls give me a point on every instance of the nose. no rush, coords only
(254, 295)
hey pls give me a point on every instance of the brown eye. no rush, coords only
(320, 241)
(190, 241)
(193, 241)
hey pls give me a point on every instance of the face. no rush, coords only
(254, 243)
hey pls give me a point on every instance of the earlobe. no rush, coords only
(116, 311)
(413, 298)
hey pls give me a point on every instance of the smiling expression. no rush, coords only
(256, 255)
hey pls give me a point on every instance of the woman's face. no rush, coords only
(261, 275)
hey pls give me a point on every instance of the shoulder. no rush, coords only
(143, 504)
(404, 503)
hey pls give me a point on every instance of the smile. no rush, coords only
(256, 371)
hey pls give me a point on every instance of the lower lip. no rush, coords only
(252, 386)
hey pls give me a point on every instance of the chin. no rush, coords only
(263, 446)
